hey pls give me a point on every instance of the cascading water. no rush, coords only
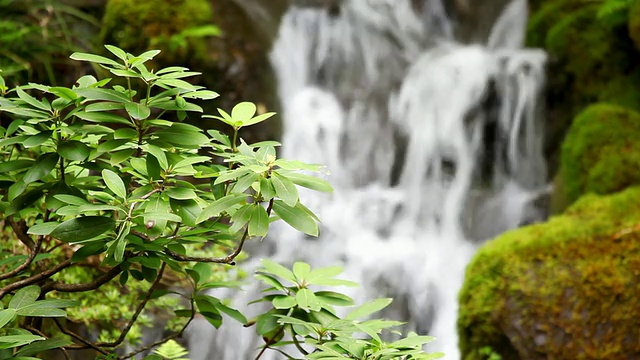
(432, 146)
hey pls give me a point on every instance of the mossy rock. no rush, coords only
(634, 22)
(601, 153)
(565, 289)
(590, 61)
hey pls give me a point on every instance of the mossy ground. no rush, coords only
(565, 289)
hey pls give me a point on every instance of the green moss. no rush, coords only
(137, 26)
(601, 153)
(565, 289)
(589, 61)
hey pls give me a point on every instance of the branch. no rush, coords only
(225, 260)
(35, 278)
(18, 229)
(34, 330)
(87, 343)
(26, 263)
(141, 306)
(269, 342)
(96, 283)
(164, 340)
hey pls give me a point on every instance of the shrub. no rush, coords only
(105, 204)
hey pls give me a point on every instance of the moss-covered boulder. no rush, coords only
(601, 153)
(565, 289)
(590, 60)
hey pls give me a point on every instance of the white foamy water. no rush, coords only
(432, 147)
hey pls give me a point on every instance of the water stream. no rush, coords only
(432, 147)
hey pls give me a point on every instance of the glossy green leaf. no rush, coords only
(42, 167)
(83, 228)
(102, 117)
(277, 270)
(38, 139)
(117, 52)
(333, 298)
(43, 229)
(232, 313)
(284, 302)
(94, 59)
(295, 217)
(12, 341)
(240, 218)
(310, 182)
(180, 193)
(307, 300)
(259, 223)
(137, 111)
(73, 150)
(13, 165)
(103, 94)
(301, 270)
(41, 312)
(6, 316)
(368, 309)
(25, 296)
(114, 183)
(125, 133)
(243, 112)
(285, 189)
(32, 101)
(41, 346)
(220, 205)
(159, 154)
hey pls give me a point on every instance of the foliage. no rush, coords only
(614, 12)
(37, 36)
(176, 27)
(564, 289)
(105, 202)
(311, 323)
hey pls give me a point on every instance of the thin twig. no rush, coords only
(87, 343)
(26, 263)
(269, 343)
(138, 311)
(18, 229)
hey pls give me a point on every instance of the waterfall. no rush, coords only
(432, 147)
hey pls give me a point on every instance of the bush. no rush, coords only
(107, 204)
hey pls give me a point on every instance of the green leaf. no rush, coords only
(101, 117)
(84, 252)
(301, 270)
(187, 209)
(180, 193)
(114, 183)
(220, 205)
(13, 165)
(277, 270)
(243, 112)
(71, 199)
(11, 341)
(310, 182)
(233, 313)
(412, 341)
(120, 243)
(6, 316)
(103, 94)
(259, 223)
(296, 217)
(25, 296)
(41, 312)
(285, 189)
(368, 309)
(120, 156)
(104, 106)
(82, 228)
(117, 52)
(125, 133)
(94, 59)
(43, 229)
(137, 111)
(307, 300)
(284, 302)
(159, 154)
(266, 323)
(334, 298)
(32, 101)
(258, 119)
(73, 150)
(162, 216)
(240, 218)
(41, 346)
(270, 280)
(38, 139)
(42, 167)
